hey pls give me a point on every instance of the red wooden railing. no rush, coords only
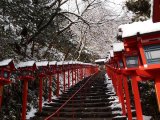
(76, 71)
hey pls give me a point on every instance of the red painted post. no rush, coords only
(57, 90)
(1, 94)
(64, 81)
(144, 62)
(136, 97)
(128, 104)
(50, 88)
(157, 88)
(72, 76)
(75, 74)
(68, 79)
(120, 89)
(81, 72)
(24, 104)
(40, 93)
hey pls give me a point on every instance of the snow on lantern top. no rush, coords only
(52, 63)
(5, 71)
(42, 64)
(7, 63)
(27, 70)
(129, 30)
(60, 63)
(26, 64)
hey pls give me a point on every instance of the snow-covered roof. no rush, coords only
(60, 63)
(52, 62)
(5, 62)
(26, 64)
(117, 47)
(65, 63)
(42, 63)
(100, 60)
(70, 62)
(144, 27)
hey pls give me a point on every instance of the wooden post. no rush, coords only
(157, 88)
(24, 104)
(137, 99)
(121, 93)
(40, 93)
(144, 62)
(127, 96)
(57, 90)
(50, 88)
(75, 74)
(72, 77)
(64, 80)
(68, 79)
(1, 94)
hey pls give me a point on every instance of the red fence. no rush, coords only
(138, 60)
(75, 71)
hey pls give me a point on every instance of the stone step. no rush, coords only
(85, 109)
(83, 100)
(98, 104)
(81, 114)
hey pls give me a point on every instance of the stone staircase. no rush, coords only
(94, 102)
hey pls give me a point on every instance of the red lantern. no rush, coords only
(26, 70)
(6, 66)
(43, 68)
(52, 71)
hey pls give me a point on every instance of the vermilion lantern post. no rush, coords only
(69, 68)
(118, 49)
(72, 70)
(26, 70)
(65, 68)
(43, 68)
(132, 62)
(52, 71)
(59, 71)
(6, 66)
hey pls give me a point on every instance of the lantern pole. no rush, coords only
(64, 82)
(1, 93)
(57, 91)
(136, 97)
(72, 75)
(68, 79)
(50, 88)
(75, 74)
(40, 93)
(127, 97)
(24, 104)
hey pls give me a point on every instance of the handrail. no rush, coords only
(69, 99)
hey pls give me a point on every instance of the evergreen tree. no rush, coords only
(140, 8)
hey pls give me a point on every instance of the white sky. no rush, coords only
(116, 5)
